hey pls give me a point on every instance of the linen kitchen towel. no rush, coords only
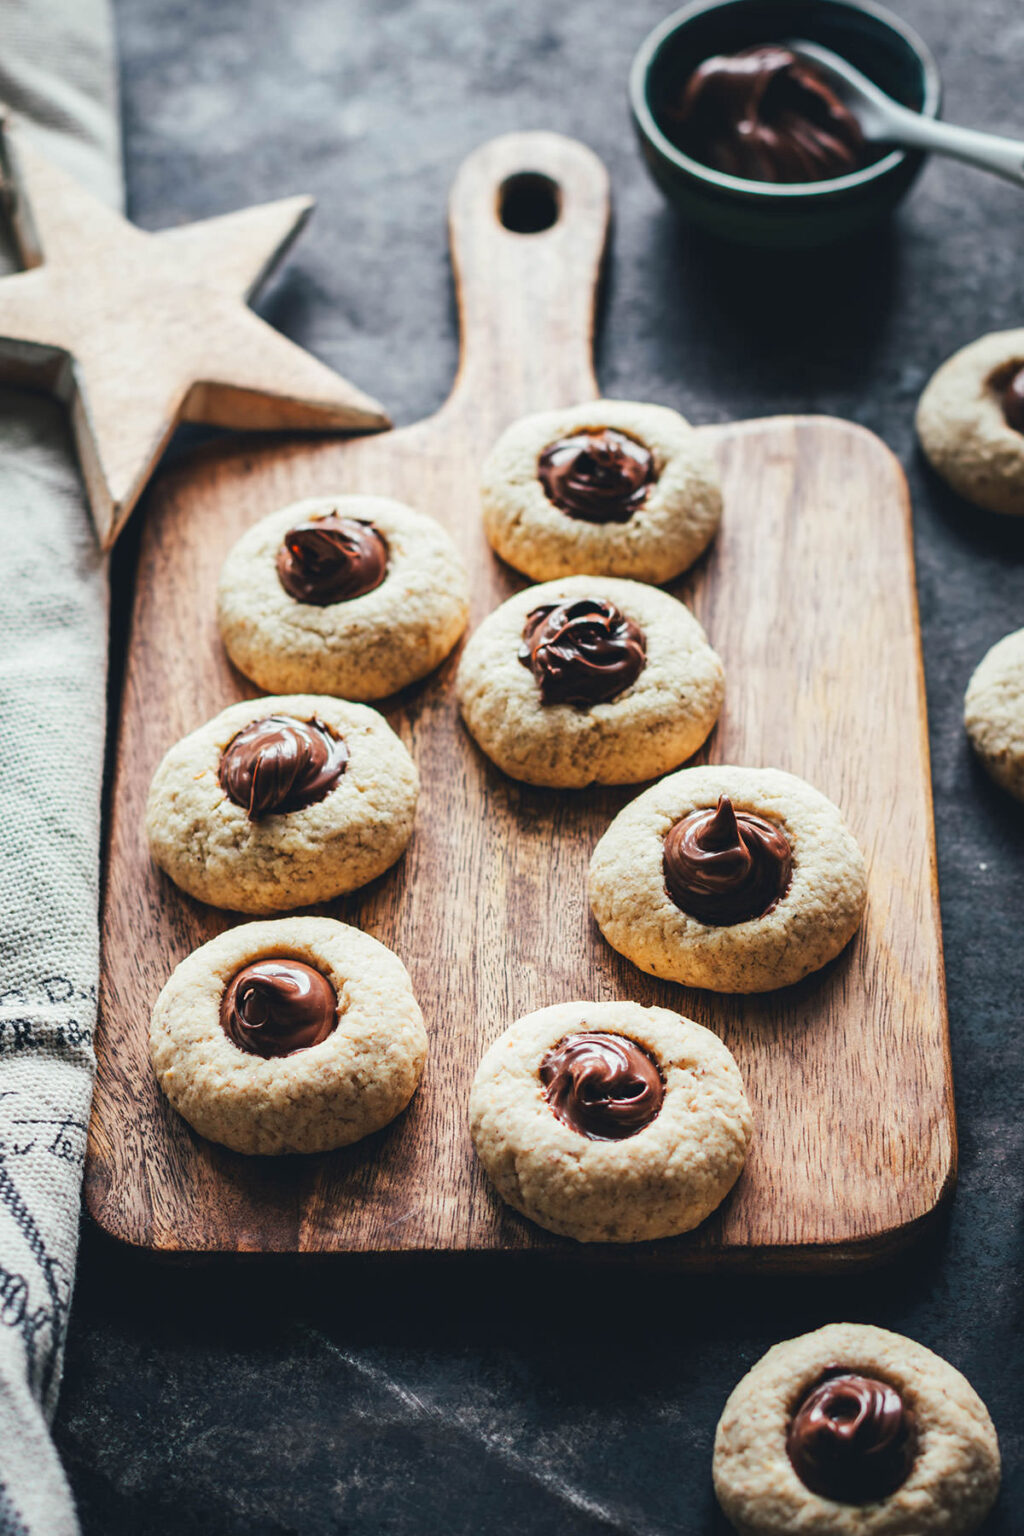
(57, 72)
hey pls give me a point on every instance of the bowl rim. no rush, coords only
(639, 76)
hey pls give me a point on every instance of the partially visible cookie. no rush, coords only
(349, 595)
(855, 1431)
(609, 1122)
(611, 487)
(970, 420)
(734, 879)
(589, 680)
(282, 802)
(994, 712)
(291, 1036)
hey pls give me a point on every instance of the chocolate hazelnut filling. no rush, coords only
(852, 1438)
(604, 1086)
(582, 652)
(278, 764)
(277, 1007)
(766, 115)
(725, 866)
(600, 476)
(331, 559)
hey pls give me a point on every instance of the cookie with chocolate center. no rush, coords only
(589, 680)
(297, 1035)
(855, 1431)
(612, 487)
(970, 420)
(734, 879)
(355, 596)
(608, 1122)
(282, 802)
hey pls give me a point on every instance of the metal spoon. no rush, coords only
(883, 120)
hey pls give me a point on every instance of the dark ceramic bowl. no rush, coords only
(769, 213)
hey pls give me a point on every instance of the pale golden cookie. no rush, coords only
(954, 1473)
(815, 918)
(210, 847)
(662, 537)
(653, 724)
(963, 428)
(364, 647)
(994, 712)
(664, 1179)
(350, 1084)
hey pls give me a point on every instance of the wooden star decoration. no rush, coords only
(142, 331)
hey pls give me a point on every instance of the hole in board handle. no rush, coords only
(529, 202)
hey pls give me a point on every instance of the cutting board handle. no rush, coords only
(529, 221)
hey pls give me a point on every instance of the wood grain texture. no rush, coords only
(808, 594)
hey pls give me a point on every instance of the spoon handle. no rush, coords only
(988, 151)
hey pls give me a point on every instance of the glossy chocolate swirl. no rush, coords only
(582, 651)
(852, 1439)
(766, 115)
(278, 764)
(331, 559)
(600, 476)
(278, 1007)
(724, 866)
(604, 1086)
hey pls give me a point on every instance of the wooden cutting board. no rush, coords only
(808, 595)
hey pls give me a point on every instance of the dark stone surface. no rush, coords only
(418, 1399)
